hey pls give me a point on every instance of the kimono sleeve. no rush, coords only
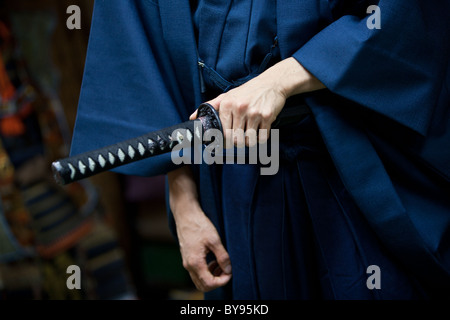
(396, 70)
(129, 87)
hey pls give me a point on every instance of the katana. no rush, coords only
(154, 143)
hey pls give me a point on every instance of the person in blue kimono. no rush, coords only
(360, 205)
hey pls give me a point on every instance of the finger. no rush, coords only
(264, 132)
(251, 137)
(239, 130)
(214, 268)
(194, 115)
(222, 256)
(205, 281)
(227, 122)
(214, 103)
(251, 131)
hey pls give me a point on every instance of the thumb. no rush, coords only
(215, 103)
(222, 257)
(194, 115)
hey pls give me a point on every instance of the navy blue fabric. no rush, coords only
(299, 235)
(395, 84)
(135, 79)
(234, 37)
(364, 180)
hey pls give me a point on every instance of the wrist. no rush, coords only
(292, 78)
(184, 206)
(183, 197)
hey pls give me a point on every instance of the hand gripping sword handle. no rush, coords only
(87, 164)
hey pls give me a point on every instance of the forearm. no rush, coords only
(183, 195)
(289, 77)
(196, 234)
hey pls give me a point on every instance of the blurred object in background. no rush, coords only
(156, 262)
(45, 228)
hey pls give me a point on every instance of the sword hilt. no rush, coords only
(87, 164)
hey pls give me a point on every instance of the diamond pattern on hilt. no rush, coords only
(72, 171)
(141, 149)
(171, 143)
(81, 167)
(189, 135)
(91, 164)
(197, 132)
(179, 137)
(151, 146)
(131, 152)
(161, 143)
(121, 155)
(111, 158)
(101, 161)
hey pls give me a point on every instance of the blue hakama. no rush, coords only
(364, 179)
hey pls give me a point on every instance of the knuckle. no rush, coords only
(253, 113)
(223, 258)
(267, 116)
(241, 107)
(190, 263)
(187, 266)
(213, 242)
(226, 104)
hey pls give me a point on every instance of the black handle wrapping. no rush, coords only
(87, 164)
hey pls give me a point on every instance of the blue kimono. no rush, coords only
(364, 179)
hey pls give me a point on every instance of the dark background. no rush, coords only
(134, 207)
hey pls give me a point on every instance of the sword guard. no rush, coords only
(209, 117)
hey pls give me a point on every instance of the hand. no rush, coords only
(197, 236)
(248, 111)
(252, 107)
